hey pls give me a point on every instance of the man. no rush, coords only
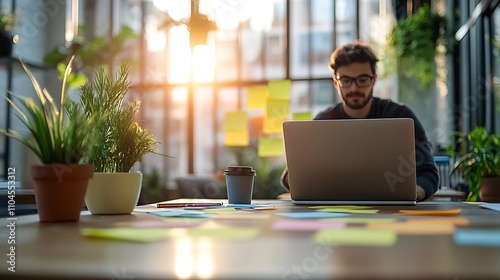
(353, 68)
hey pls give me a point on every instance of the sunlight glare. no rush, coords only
(176, 9)
(203, 63)
(179, 55)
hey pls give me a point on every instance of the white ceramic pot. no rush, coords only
(113, 193)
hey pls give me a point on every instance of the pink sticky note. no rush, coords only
(305, 225)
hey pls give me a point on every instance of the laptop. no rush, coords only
(354, 161)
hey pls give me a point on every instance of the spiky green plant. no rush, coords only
(122, 141)
(57, 134)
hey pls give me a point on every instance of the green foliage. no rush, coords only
(7, 20)
(479, 158)
(122, 142)
(153, 187)
(412, 45)
(90, 54)
(58, 137)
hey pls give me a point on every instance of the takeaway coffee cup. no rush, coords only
(239, 182)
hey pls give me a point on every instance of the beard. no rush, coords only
(356, 100)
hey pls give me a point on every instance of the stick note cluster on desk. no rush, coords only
(351, 225)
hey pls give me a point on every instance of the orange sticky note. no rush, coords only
(451, 212)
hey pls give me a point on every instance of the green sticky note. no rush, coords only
(356, 236)
(127, 234)
(302, 116)
(277, 108)
(235, 121)
(273, 124)
(270, 146)
(232, 233)
(279, 89)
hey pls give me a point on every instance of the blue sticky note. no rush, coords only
(492, 206)
(312, 215)
(477, 237)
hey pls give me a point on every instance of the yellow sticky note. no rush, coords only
(279, 89)
(127, 234)
(270, 147)
(454, 221)
(236, 138)
(302, 116)
(356, 236)
(415, 228)
(257, 97)
(348, 210)
(235, 121)
(273, 125)
(277, 108)
(451, 212)
(232, 233)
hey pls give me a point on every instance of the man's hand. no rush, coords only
(420, 193)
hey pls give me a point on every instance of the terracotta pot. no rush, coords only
(490, 189)
(60, 190)
(113, 193)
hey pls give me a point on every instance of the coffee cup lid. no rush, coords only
(239, 170)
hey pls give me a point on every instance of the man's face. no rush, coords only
(354, 84)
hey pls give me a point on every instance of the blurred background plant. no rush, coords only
(90, 54)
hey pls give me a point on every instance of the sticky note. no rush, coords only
(477, 237)
(187, 222)
(235, 121)
(273, 124)
(181, 213)
(491, 206)
(347, 210)
(279, 89)
(362, 220)
(257, 97)
(277, 108)
(305, 225)
(457, 221)
(415, 228)
(340, 206)
(270, 146)
(236, 138)
(312, 215)
(451, 212)
(232, 233)
(127, 234)
(356, 236)
(302, 116)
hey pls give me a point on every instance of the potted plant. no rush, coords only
(58, 134)
(114, 189)
(413, 45)
(479, 164)
(7, 21)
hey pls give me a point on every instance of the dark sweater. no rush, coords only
(427, 174)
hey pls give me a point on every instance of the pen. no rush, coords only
(193, 204)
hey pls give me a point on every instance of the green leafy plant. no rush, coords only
(122, 141)
(90, 54)
(57, 134)
(7, 20)
(478, 158)
(413, 45)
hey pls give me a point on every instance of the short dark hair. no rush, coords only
(356, 52)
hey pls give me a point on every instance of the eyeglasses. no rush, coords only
(361, 81)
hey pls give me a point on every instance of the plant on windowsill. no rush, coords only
(413, 45)
(479, 164)
(114, 189)
(58, 134)
(7, 22)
